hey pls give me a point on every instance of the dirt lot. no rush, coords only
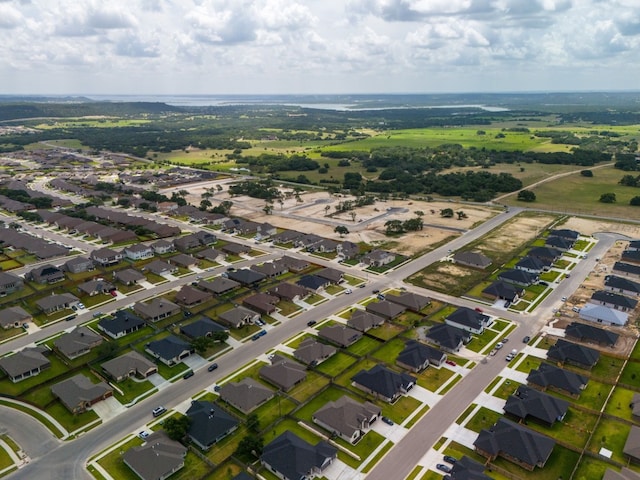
(589, 227)
(369, 221)
(515, 233)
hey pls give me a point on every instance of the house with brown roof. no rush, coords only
(261, 302)
(190, 296)
(340, 335)
(79, 393)
(346, 418)
(363, 321)
(96, 287)
(332, 274)
(289, 291)
(385, 309)
(131, 364)
(283, 373)
(128, 276)
(183, 260)
(218, 285)
(411, 301)
(295, 264)
(160, 267)
(212, 255)
(156, 309)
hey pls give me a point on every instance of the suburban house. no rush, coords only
(283, 373)
(79, 393)
(287, 236)
(128, 276)
(291, 458)
(160, 267)
(326, 245)
(96, 287)
(9, 283)
(534, 265)
(156, 459)
(340, 335)
(163, 246)
(212, 255)
(289, 291)
(313, 283)
(245, 395)
(261, 302)
(131, 364)
(121, 323)
(295, 264)
(77, 342)
(548, 376)
(265, 230)
(559, 243)
(79, 265)
(54, 303)
(471, 259)
(616, 284)
(190, 296)
(515, 443)
(105, 257)
(238, 317)
(311, 352)
(139, 251)
(573, 354)
(307, 240)
(218, 285)
(518, 277)
(156, 309)
(203, 327)
(565, 233)
(25, 363)
(332, 274)
(209, 423)
(169, 350)
(627, 269)
(235, 249)
(378, 258)
(347, 250)
(469, 320)
(603, 315)
(364, 321)
(246, 276)
(468, 469)
(500, 290)
(13, 317)
(545, 253)
(383, 383)
(610, 474)
(417, 356)
(529, 403)
(450, 339)
(270, 269)
(346, 418)
(632, 445)
(613, 300)
(385, 309)
(411, 301)
(590, 334)
(183, 260)
(46, 274)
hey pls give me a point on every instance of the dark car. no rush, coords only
(387, 420)
(189, 374)
(449, 459)
(311, 323)
(478, 309)
(212, 367)
(231, 269)
(376, 291)
(526, 339)
(544, 284)
(443, 468)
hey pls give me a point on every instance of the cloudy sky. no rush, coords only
(317, 46)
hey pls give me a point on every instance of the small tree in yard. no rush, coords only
(177, 427)
(341, 230)
(608, 198)
(249, 447)
(446, 213)
(526, 196)
(635, 201)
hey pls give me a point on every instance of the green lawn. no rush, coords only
(5, 459)
(132, 389)
(433, 378)
(386, 331)
(612, 435)
(574, 429)
(273, 410)
(336, 364)
(560, 465)
(57, 368)
(481, 341)
(529, 363)
(506, 389)
(364, 346)
(607, 367)
(590, 468)
(631, 372)
(113, 463)
(312, 385)
(483, 419)
(390, 351)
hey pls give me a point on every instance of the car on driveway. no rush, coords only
(143, 434)
(449, 459)
(451, 362)
(387, 420)
(478, 309)
(443, 468)
(348, 291)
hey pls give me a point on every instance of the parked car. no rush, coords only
(376, 291)
(544, 284)
(212, 367)
(564, 299)
(311, 323)
(216, 388)
(189, 374)
(158, 411)
(381, 296)
(509, 357)
(526, 339)
(576, 309)
(451, 362)
(348, 291)
(143, 434)
(505, 340)
(81, 306)
(499, 345)
(449, 459)
(387, 420)
(443, 468)
(231, 269)
(478, 309)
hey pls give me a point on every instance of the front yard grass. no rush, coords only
(390, 351)
(132, 389)
(611, 435)
(336, 364)
(506, 389)
(481, 341)
(483, 419)
(433, 378)
(364, 346)
(529, 363)
(560, 465)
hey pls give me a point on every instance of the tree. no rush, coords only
(342, 230)
(608, 198)
(177, 427)
(204, 204)
(586, 173)
(446, 213)
(419, 213)
(353, 216)
(224, 208)
(220, 336)
(526, 196)
(461, 214)
(201, 344)
(635, 201)
(268, 208)
(394, 227)
(249, 446)
(326, 210)
(253, 423)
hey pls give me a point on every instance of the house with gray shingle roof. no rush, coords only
(245, 395)
(139, 251)
(79, 393)
(613, 300)
(412, 301)
(238, 317)
(417, 356)
(79, 341)
(472, 259)
(588, 333)
(169, 350)
(203, 327)
(190, 296)
(622, 285)
(79, 265)
(218, 285)
(469, 320)
(530, 403)
(348, 419)
(558, 379)
(209, 423)
(292, 458)
(283, 373)
(312, 352)
(573, 354)
(131, 364)
(14, 317)
(385, 309)
(160, 267)
(54, 303)
(340, 335)
(289, 291)
(128, 276)
(157, 459)
(364, 321)
(383, 383)
(25, 363)
(156, 309)
(449, 338)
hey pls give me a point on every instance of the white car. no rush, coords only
(499, 345)
(81, 306)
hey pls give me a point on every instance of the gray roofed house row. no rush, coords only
(283, 373)
(238, 317)
(591, 334)
(245, 395)
(209, 423)
(53, 303)
(157, 459)
(385, 309)
(340, 335)
(169, 350)
(129, 365)
(203, 327)
(13, 317)
(417, 356)
(218, 285)
(25, 363)
(613, 300)
(77, 342)
(516, 443)
(604, 315)
(472, 259)
(449, 338)
(121, 323)
(622, 285)
(573, 354)
(557, 379)
(383, 383)
(292, 458)
(527, 403)
(156, 309)
(411, 301)
(78, 393)
(347, 418)
(312, 352)
(364, 321)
